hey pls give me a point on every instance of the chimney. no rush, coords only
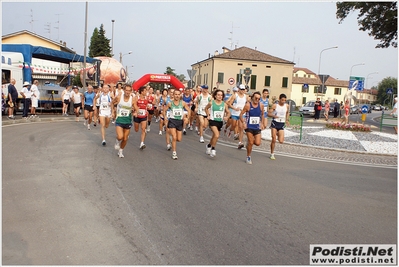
(225, 49)
(216, 53)
(61, 42)
(209, 55)
(64, 44)
(256, 48)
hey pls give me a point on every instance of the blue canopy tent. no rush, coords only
(29, 52)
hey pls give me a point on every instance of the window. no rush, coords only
(206, 78)
(305, 89)
(267, 80)
(303, 100)
(254, 65)
(285, 82)
(220, 77)
(253, 82)
(316, 88)
(239, 64)
(239, 79)
(5, 76)
(268, 67)
(199, 79)
(337, 91)
(296, 74)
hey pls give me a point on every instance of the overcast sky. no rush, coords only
(178, 34)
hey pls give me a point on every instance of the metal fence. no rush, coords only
(296, 119)
(388, 120)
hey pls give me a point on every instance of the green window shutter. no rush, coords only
(267, 80)
(220, 77)
(253, 82)
(285, 82)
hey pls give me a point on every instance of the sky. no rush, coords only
(178, 34)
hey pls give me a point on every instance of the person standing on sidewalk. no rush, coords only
(317, 108)
(12, 99)
(34, 98)
(280, 114)
(326, 109)
(26, 94)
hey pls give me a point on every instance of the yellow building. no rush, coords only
(229, 68)
(305, 85)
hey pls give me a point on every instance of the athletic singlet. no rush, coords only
(239, 102)
(253, 117)
(67, 95)
(77, 98)
(217, 111)
(142, 105)
(89, 97)
(176, 111)
(187, 99)
(98, 99)
(265, 104)
(203, 102)
(150, 105)
(105, 104)
(118, 92)
(124, 110)
(281, 112)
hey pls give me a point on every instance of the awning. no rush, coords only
(44, 77)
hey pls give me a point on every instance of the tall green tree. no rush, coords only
(171, 71)
(380, 19)
(382, 97)
(99, 44)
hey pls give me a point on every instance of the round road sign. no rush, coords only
(231, 81)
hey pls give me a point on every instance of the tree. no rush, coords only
(171, 71)
(382, 97)
(380, 19)
(99, 44)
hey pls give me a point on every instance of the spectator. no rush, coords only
(34, 98)
(12, 99)
(317, 108)
(336, 108)
(394, 113)
(326, 109)
(26, 94)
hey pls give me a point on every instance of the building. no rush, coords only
(306, 86)
(248, 66)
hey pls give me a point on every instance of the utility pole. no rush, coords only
(231, 38)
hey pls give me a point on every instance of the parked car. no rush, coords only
(355, 109)
(376, 107)
(308, 108)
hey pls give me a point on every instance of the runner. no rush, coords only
(140, 115)
(66, 98)
(163, 101)
(188, 99)
(104, 100)
(230, 120)
(88, 105)
(202, 101)
(123, 122)
(156, 105)
(150, 106)
(196, 94)
(96, 117)
(236, 103)
(115, 91)
(280, 114)
(175, 122)
(252, 123)
(217, 111)
(76, 98)
(265, 101)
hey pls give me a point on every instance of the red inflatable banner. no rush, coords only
(157, 78)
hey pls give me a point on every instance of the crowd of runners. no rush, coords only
(180, 110)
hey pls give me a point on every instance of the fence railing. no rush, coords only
(388, 120)
(296, 119)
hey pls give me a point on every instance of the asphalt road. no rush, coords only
(69, 201)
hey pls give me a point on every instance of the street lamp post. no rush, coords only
(121, 56)
(112, 43)
(367, 77)
(318, 71)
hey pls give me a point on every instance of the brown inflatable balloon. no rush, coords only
(111, 71)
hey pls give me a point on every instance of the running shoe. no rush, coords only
(196, 128)
(272, 156)
(142, 146)
(88, 126)
(201, 139)
(191, 127)
(120, 153)
(174, 155)
(240, 145)
(85, 123)
(236, 137)
(208, 150)
(213, 153)
(148, 128)
(117, 144)
(95, 124)
(103, 143)
(184, 132)
(248, 161)
(168, 146)
(160, 132)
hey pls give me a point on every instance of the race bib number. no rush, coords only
(168, 113)
(142, 112)
(177, 112)
(104, 106)
(200, 109)
(123, 113)
(218, 115)
(149, 106)
(254, 120)
(265, 109)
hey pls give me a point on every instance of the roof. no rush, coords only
(307, 71)
(62, 47)
(245, 53)
(316, 81)
(45, 53)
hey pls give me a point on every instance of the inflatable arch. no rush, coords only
(157, 78)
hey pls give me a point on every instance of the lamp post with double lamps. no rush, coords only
(112, 43)
(318, 71)
(121, 56)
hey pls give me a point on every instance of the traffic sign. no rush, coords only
(191, 73)
(365, 109)
(356, 83)
(190, 84)
(389, 91)
(231, 81)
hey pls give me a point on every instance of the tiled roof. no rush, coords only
(245, 53)
(307, 71)
(316, 81)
